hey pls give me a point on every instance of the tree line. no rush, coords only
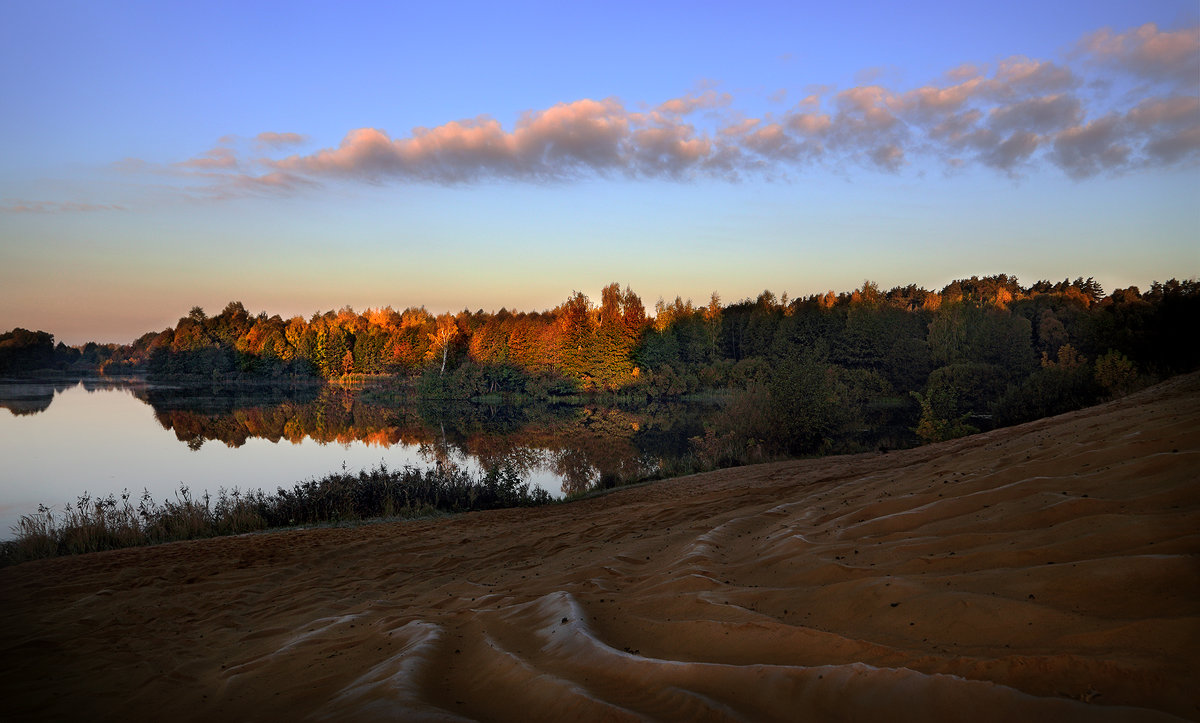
(802, 374)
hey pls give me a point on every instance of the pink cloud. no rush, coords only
(930, 100)
(966, 71)
(741, 127)
(871, 102)
(585, 134)
(217, 158)
(1010, 115)
(773, 142)
(273, 183)
(568, 140)
(268, 139)
(811, 102)
(1171, 112)
(808, 124)
(1148, 51)
(693, 102)
(1020, 75)
(668, 151)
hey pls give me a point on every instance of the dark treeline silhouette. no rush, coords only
(23, 351)
(804, 376)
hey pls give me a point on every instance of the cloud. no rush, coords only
(1019, 75)
(566, 141)
(875, 74)
(1042, 115)
(1089, 149)
(1173, 111)
(272, 183)
(693, 102)
(808, 124)
(889, 156)
(929, 101)
(268, 139)
(1147, 51)
(1171, 126)
(811, 102)
(217, 158)
(571, 138)
(959, 130)
(1015, 115)
(964, 72)
(1176, 147)
(58, 207)
(1012, 151)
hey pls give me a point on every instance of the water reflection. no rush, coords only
(62, 438)
(25, 397)
(584, 446)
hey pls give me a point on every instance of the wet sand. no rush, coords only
(1044, 572)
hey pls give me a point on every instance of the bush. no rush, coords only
(1115, 373)
(967, 389)
(935, 426)
(1048, 391)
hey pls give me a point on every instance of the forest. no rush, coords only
(818, 374)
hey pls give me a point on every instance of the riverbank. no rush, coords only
(1042, 571)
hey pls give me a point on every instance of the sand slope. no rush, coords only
(1047, 572)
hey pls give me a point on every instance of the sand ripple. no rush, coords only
(1044, 572)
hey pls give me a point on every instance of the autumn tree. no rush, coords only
(712, 321)
(441, 338)
(574, 326)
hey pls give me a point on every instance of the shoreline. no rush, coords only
(1041, 570)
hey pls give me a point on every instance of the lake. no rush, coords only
(60, 439)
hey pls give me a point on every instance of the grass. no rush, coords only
(94, 524)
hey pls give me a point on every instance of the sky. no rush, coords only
(300, 157)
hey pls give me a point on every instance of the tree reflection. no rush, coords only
(584, 446)
(24, 397)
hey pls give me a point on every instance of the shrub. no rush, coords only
(1115, 373)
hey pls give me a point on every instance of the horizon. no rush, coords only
(593, 297)
(379, 156)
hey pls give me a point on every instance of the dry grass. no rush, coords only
(106, 523)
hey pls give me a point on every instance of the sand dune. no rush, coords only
(1044, 572)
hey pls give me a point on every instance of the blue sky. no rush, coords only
(304, 156)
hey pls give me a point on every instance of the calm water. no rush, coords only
(59, 440)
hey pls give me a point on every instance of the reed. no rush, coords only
(92, 524)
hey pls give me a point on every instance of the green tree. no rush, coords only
(1115, 373)
(806, 399)
(934, 426)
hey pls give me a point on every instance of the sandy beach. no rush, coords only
(1049, 571)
